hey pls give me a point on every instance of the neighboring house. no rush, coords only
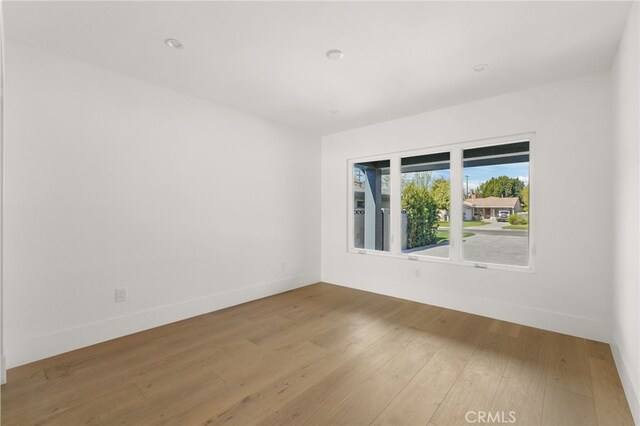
(488, 208)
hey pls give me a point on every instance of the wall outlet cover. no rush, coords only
(120, 295)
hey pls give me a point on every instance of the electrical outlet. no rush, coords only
(283, 266)
(417, 273)
(121, 295)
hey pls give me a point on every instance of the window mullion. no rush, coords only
(456, 205)
(395, 203)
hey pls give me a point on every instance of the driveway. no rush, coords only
(506, 249)
(493, 225)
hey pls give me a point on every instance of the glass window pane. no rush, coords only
(371, 216)
(425, 205)
(496, 204)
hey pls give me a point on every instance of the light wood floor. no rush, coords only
(324, 355)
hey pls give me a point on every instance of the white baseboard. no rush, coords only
(628, 383)
(534, 317)
(40, 347)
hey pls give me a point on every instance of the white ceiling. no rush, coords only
(268, 58)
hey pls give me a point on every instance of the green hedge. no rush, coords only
(516, 219)
(422, 217)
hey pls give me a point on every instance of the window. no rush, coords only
(371, 213)
(465, 204)
(425, 205)
(496, 204)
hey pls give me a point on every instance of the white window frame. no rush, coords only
(456, 229)
(351, 207)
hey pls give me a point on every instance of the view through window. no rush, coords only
(425, 203)
(371, 215)
(496, 204)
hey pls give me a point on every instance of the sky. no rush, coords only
(480, 174)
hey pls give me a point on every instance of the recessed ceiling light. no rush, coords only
(172, 42)
(335, 54)
(481, 67)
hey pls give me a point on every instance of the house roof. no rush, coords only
(492, 202)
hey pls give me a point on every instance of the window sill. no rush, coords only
(447, 261)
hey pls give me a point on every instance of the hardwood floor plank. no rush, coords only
(611, 403)
(440, 325)
(90, 411)
(365, 404)
(255, 407)
(507, 328)
(277, 305)
(174, 378)
(478, 382)
(205, 407)
(419, 400)
(77, 383)
(599, 350)
(312, 407)
(295, 331)
(159, 406)
(521, 390)
(470, 392)
(492, 354)
(460, 336)
(565, 408)
(356, 328)
(266, 359)
(234, 328)
(569, 364)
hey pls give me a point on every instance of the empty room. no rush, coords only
(320, 212)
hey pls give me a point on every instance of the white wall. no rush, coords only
(3, 370)
(571, 286)
(626, 207)
(113, 182)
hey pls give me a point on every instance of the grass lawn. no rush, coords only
(466, 223)
(444, 236)
(516, 227)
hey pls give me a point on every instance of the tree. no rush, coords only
(422, 179)
(386, 184)
(440, 192)
(419, 178)
(502, 186)
(422, 219)
(524, 198)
